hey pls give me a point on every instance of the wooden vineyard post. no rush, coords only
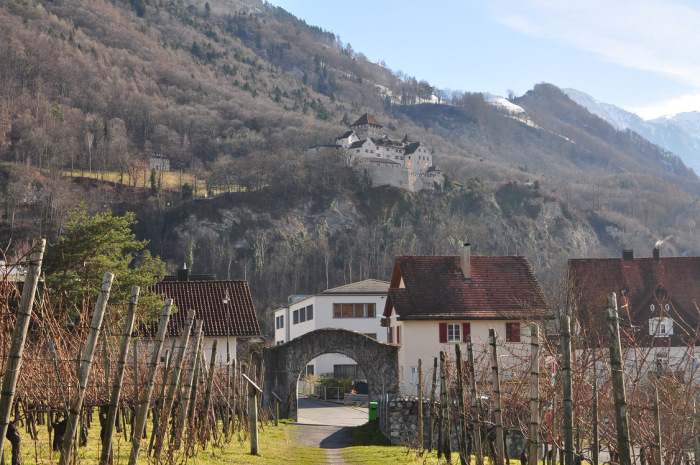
(19, 336)
(172, 386)
(420, 404)
(444, 443)
(253, 414)
(476, 405)
(277, 408)
(696, 432)
(596, 435)
(185, 397)
(210, 384)
(142, 411)
(118, 378)
(431, 425)
(534, 394)
(76, 404)
(566, 385)
(496, 380)
(618, 381)
(463, 457)
(657, 428)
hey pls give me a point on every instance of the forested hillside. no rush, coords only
(234, 91)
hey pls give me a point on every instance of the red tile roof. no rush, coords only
(500, 288)
(366, 119)
(206, 298)
(636, 283)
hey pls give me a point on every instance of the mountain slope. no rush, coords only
(679, 134)
(235, 92)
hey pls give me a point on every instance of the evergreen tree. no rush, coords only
(91, 246)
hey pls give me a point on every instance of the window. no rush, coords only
(398, 335)
(660, 327)
(302, 315)
(279, 322)
(310, 312)
(451, 332)
(295, 317)
(512, 332)
(354, 310)
(348, 372)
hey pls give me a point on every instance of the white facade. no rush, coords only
(421, 340)
(332, 309)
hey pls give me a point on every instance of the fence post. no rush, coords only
(431, 425)
(84, 372)
(696, 433)
(420, 403)
(460, 401)
(476, 424)
(534, 394)
(596, 437)
(618, 380)
(19, 336)
(566, 385)
(141, 414)
(253, 415)
(210, 384)
(657, 428)
(185, 397)
(496, 380)
(444, 442)
(172, 386)
(118, 378)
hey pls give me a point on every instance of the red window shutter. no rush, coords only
(443, 333)
(466, 330)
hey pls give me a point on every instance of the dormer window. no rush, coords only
(660, 327)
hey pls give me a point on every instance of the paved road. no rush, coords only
(327, 425)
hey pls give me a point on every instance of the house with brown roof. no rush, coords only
(658, 301)
(355, 307)
(434, 302)
(225, 306)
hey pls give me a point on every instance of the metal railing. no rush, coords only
(326, 393)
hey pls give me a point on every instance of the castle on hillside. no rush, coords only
(384, 161)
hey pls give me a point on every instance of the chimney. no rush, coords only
(628, 255)
(465, 260)
(183, 274)
(657, 257)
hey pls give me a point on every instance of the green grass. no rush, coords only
(274, 446)
(372, 447)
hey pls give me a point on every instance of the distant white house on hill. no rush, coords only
(159, 162)
(384, 161)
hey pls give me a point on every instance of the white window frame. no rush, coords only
(454, 332)
(661, 327)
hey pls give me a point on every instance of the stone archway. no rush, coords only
(283, 363)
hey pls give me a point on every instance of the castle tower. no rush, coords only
(367, 127)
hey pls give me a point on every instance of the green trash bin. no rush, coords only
(373, 411)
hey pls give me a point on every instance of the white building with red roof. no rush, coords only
(435, 301)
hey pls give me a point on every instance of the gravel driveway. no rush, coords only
(327, 426)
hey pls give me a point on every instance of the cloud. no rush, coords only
(651, 35)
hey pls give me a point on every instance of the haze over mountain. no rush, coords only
(233, 92)
(679, 133)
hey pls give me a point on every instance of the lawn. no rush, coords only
(276, 446)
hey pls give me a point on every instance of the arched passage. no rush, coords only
(283, 363)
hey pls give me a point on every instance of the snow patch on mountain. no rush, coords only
(503, 104)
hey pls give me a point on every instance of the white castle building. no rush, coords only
(405, 164)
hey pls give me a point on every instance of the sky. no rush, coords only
(640, 55)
